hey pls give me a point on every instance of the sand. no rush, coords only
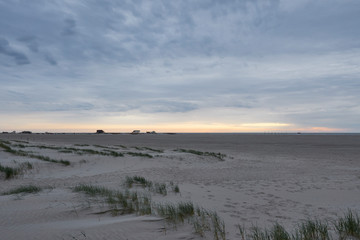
(263, 179)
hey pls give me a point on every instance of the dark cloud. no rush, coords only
(31, 43)
(69, 28)
(50, 59)
(286, 61)
(19, 57)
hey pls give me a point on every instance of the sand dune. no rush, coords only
(262, 179)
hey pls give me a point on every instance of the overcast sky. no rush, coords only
(181, 66)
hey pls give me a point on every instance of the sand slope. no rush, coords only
(263, 179)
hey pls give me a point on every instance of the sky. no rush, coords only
(180, 66)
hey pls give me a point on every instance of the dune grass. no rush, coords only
(219, 156)
(10, 172)
(79, 151)
(130, 181)
(81, 145)
(207, 222)
(138, 154)
(22, 153)
(308, 230)
(348, 226)
(175, 213)
(153, 149)
(23, 190)
(122, 146)
(344, 228)
(107, 151)
(129, 202)
(120, 202)
(20, 141)
(93, 190)
(312, 229)
(160, 188)
(201, 219)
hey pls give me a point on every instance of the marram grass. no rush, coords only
(7, 148)
(344, 228)
(23, 190)
(128, 202)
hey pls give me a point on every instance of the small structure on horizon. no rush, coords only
(136, 132)
(100, 131)
(151, 132)
(26, 132)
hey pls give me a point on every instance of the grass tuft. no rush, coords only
(154, 150)
(278, 232)
(348, 226)
(137, 154)
(120, 202)
(127, 202)
(93, 190)
(312, 229)
(160, 188)
(21, 153)
(9, 171)
(219, 156)
(23, 190)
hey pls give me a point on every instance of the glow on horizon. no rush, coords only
(176, 128)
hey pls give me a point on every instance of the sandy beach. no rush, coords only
(257, 180)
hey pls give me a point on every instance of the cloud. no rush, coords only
(167, 106)
(69, 27)
(50, 59)
(19, 57)
(31, 43)
(235, 62)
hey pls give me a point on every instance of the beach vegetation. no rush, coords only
(153, 150)
(176, 189)
(23, 190)
(312, 229)
(219, 156)
(138, 180)
(20, 141)
(129, 202)
(137, 154)
(26, 165)
(9, 172)
(102, 146)
(160, 188)
(122, 146)
(120, 202)
(348, 226)
(22, 153)
(81, 145)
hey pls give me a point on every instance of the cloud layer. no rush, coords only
(223, 65)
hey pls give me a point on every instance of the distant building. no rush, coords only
(135, 132)
(100, 131)
(26, 132)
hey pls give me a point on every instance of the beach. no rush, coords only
(247, 179)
